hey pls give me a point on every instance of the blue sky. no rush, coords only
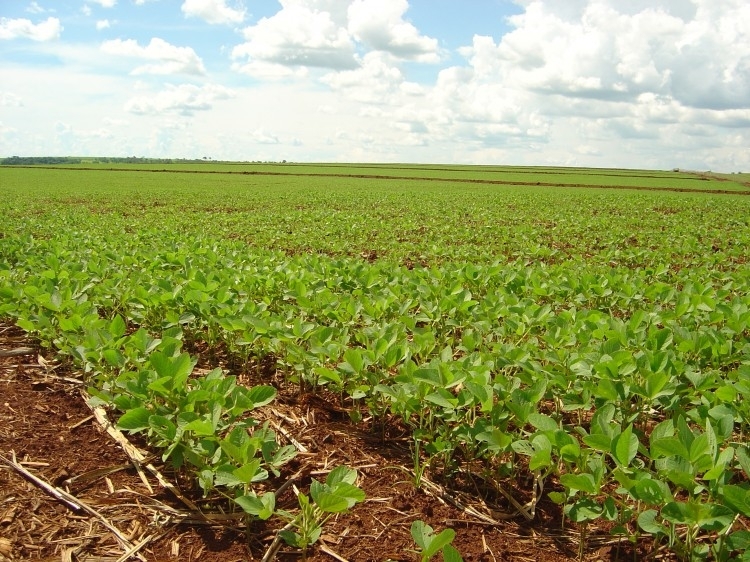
(641, 84)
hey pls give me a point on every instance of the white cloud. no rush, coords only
(7, 131)
(375, 81)
(327, 34)
(8, 99)
(308, 33)
(104, 3)
(263, 70)
(261, 136)
(169, 58)
(102, 24)
(183, 99)
(637, 81)
(113, 122)
(47, 30)
(643, 83)
(611, 51)
(213, 11)
(35, 8)
(380, 25)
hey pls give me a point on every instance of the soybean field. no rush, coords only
(374, 362)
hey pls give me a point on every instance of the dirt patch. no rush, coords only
(47, 428)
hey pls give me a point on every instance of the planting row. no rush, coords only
(622, 393)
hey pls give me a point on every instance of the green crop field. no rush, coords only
(580, 336)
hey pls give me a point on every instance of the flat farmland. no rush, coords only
(499, 175)
(507, 352)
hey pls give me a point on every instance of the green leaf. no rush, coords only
(651, 492)
(743, 457)
(330, 502)
(668, 447)
(599, 442)
(261, 395)
(451, 554)
(585, 509)
(739, 541)
(200, 427)
(339, 497)
(117, 326)
(600, 421)
(625, 447)
(557, 497)
(737, 498)
(663, 430)
(291, 538)
(247, 472)
(579, 482)
(341, 474)
(711, 517)
(610, 509)
(542, 422)
(496, 440)
(441, 399)
(699, 447)
(430, 543)
(654, 385)
(540, 459)
(438, 542)
(726, 393)
(647, 521)
(134, 420)
(720, 466)
(421, 533)
(262, 507)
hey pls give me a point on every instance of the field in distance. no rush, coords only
(683, 180)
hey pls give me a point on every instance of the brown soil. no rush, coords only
(46, 426)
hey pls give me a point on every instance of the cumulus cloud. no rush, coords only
(308, 33)
(9, 99)
(35, 8)
(375, 81)
(261, 136)
(47, 30)
(570, 75)
(213, 11)
(102, 24)
(168, 58)
(380, 24)
(328, 34)
(104, 3)
(184, 99)
(611, 51)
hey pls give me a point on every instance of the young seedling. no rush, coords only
(337, 495)
(430, 543)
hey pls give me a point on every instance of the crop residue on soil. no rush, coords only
(46, 426)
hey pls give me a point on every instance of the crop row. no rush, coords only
(628, 388)
(588, 347)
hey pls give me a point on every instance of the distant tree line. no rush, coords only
(31, 160)
(55, 160)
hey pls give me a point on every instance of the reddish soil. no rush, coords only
(47, 427)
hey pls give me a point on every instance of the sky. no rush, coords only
(655, 84)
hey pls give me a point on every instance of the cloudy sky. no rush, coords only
(625, 83)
